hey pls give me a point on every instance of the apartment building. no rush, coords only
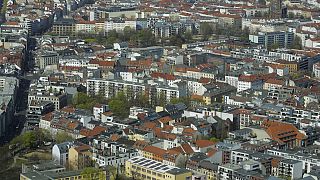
(227, 171)
(239, 155)
(249, 82)
(111, 87)
(282, 39)
(60, 153)
(59, 99)
(286, 134)
(45, 58)
(119, 25)
(80, 157)
(64, 27)
(85, 27)
(143, 168)
(292, 169)
(308, 160)
(7, 99)
(113, 153)
(155, 91)
(316, 70)
(37, 109)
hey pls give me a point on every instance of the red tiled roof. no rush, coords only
(204, 80)
(211, 152)
(167, 128)
(241, 111)
(155, 150)
(97, 130)
(248, 78)
(140, 63)
(102, 63)
(68, 109)
(82, 148)
(114, 137)
(163, 75)
(279, 130)
(72, 125)
(187, 148)
(48, 117)
(149, 125)
(165, 119)
(204, 143)
(275, 81)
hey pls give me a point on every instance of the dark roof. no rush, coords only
(208, 165)
(198, 157)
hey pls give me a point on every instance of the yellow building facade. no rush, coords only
(144, 168)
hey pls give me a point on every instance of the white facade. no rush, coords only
(44, 124)
(226, 171)
(232, 80)
(316, 70)
(119, 25)
(98, 110)
(60, 152)
(244, 85)
(85, 27)
(312, 43)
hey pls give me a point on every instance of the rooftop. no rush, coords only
(157, 166)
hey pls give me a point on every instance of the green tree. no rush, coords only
(29, 139)
(146, 38)
(119, 105)
(127, 33)
(141, 100)
(185, 100)
(273, 46)
(90, 173)
(297, 43)
(258, 14)
(214, 139)
(63, 137)
(162, 99)
(176, 40)
(83, 101)
(206, 30)
(43, 135)
(187, 36)
(291, 15)
(245, 34)
(4, 6)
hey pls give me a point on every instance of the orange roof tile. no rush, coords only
(187, 148)
(167, 128)
(149, 125)
(204, 143)
(68, 109)
(102, 63)
(275, 81)
(82, 148)
(155, 150)
(204, 80)
(47, 117)
(114, 137)
(165, 119)
(97, 130)
(163, 76)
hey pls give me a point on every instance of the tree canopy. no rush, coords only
(89, 173)
(297, 43)
(185, 100)
(119, 105)
(83, 101)
(31, 139)
(63, 137)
